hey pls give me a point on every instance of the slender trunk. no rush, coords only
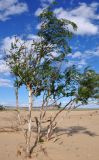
(52, 126)
(17, 103)
(29, 122)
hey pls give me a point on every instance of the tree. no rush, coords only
(22, 64)
(42, 68)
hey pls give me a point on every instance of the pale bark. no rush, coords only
(29, 122)
(52, 125)
(17, 103)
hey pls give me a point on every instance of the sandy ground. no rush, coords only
(77, 137)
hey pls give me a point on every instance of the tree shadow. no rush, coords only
(70, 131)
(10, 129)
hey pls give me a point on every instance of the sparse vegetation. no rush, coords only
(2, 108)
(42, 68)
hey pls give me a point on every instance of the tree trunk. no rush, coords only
(17, 103)
(29, 122)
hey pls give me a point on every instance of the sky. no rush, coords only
(20, 18)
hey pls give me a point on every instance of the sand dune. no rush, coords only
(77, 137)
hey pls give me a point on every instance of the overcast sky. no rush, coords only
(19, 17)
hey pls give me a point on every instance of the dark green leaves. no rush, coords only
(55, 31)
(89, 85)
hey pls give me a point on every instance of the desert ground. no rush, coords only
(77, 137)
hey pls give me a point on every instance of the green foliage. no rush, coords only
(35, 66)
(17, 83)
(89, 85)
(55, 31)
(42, 65)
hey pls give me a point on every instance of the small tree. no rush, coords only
(21, 62)
(41, 67)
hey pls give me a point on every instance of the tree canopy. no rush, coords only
(42, 67)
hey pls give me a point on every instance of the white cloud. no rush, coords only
(11, 7)
(79, 63)
(38, 26)
(80, 58)
(82, 63)
(83, 16)
(4, 49)
(76, 54)
(6, 44)
(4, 69)
(33, 37)
(5, 82)
(94, 52)
(87, 54)
(45, 3)
(38, 11)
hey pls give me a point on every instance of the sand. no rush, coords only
(77, 137)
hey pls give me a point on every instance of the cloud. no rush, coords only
(82, 63)
(84, 16)
(76, 54)
(5, 82)
(87, 54)
(79, 63)
(11, 7)
(6, 42)
(6, 46)
(38, 11)
(4, 49)
(4, 69)
(80, 58)
(92, 53)
(33, 37)
(45, 3)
